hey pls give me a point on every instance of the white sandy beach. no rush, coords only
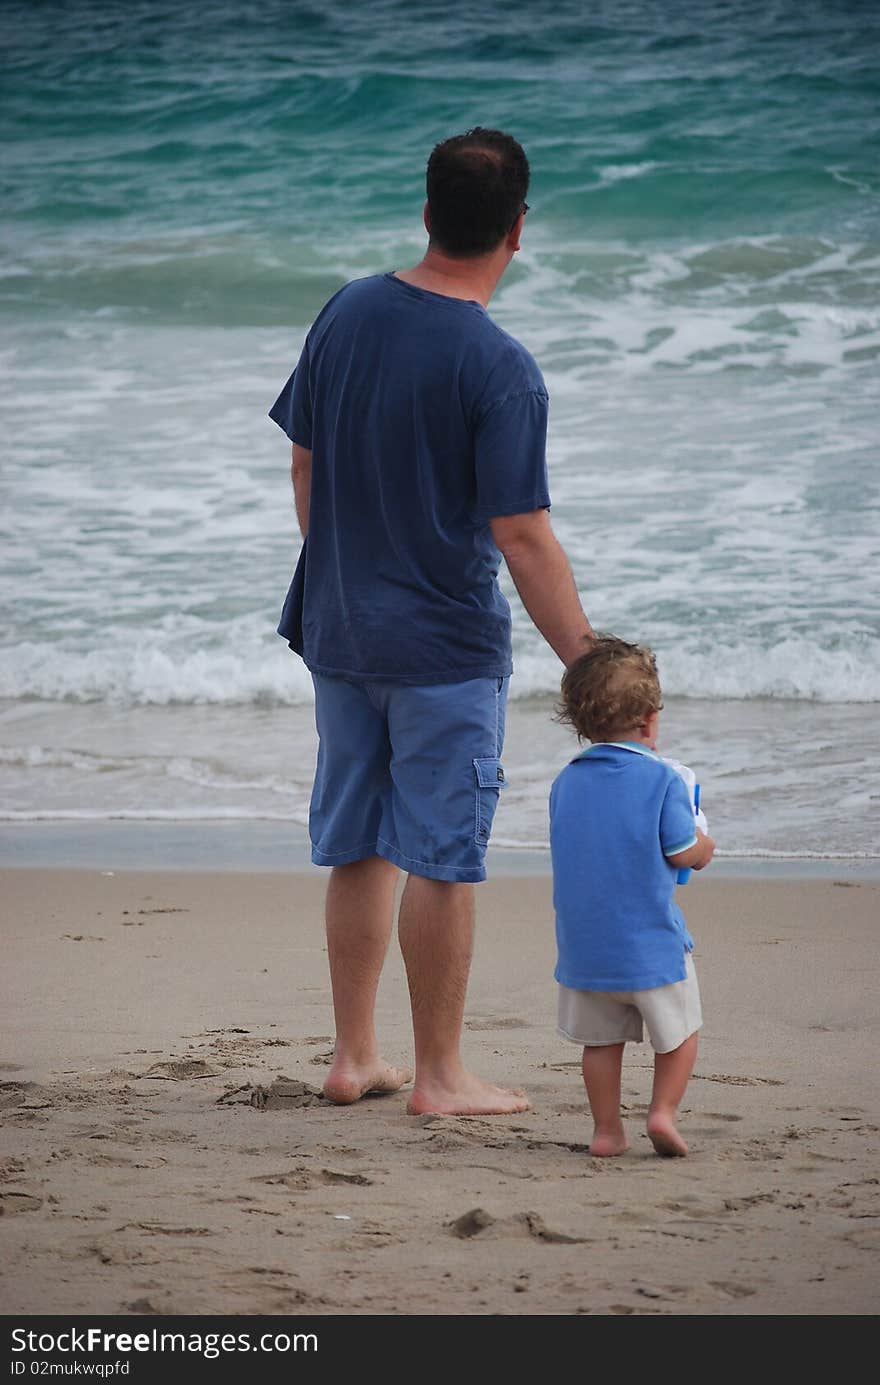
(147, 1166)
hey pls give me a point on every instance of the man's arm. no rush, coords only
(542, 576)
(696, 856)
(301, 476)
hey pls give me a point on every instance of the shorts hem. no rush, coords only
(343, 858)
(466, 875)
(673, 1047)
(598, 1043)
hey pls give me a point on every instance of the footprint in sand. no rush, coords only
(12, 1202)
(144, 1306)
(23, 1096)
(863, 1237)
(693, 1208)
(121, 1161)
(238, 1052)
(303, 1179)
(734, 1080)
(497, 1022)
(284, 1094)
(741, 1204)
(458, 1132)
(716, 1130)
(477, 1221)
(157, 1228)
(181, 1069)
(729, 1289)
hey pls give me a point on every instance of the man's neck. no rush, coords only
(472, 279)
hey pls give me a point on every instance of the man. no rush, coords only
(418, 430)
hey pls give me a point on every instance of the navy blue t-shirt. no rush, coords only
(425, 420)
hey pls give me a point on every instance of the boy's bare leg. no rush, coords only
(601, 1069)
(436, 927)
(671, 1075)
(359, 913)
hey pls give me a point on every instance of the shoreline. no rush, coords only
(779, 781)
(236, 845)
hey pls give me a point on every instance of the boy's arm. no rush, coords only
(696, 856)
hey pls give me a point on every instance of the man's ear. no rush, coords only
(514, 235)
(426, 217)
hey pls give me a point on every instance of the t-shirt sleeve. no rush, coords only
(510, 456)
(292, 410)
(677, 830)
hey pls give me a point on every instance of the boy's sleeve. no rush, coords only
(292, 410)
(677, 827)
(510, 456)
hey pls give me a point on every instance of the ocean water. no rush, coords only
(699, 281)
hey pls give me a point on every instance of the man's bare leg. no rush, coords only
(671, 1075)
(359, 913)
(436, 928)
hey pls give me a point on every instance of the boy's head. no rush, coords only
(611, 692)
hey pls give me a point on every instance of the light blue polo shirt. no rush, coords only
(617, 812)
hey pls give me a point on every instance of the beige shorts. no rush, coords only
(669, 1013)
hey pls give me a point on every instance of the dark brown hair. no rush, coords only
(610, 690)
(476, 184)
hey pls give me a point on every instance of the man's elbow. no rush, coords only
(300, 464)
(520, 535)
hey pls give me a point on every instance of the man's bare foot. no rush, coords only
(608, 1144)
(467, 1097)
(347, 1083)
(664, 1136)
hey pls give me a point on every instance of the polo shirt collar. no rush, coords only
(635, 746)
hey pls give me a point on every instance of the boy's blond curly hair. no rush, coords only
(610, 690)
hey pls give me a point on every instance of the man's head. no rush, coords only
(477, 184)
(611, 692)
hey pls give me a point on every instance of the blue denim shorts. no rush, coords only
(411, 773)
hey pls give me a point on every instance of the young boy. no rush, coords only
(621, 824)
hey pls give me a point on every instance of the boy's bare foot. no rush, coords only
(608, 1144)
(664, 1136)
(468, 1097)
(347, 1082)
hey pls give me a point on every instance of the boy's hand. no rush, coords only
(698, 856)
(707, 844)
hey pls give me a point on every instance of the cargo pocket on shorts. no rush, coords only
(490, 782)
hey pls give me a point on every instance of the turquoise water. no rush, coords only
(177, 164)
(182, 188)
